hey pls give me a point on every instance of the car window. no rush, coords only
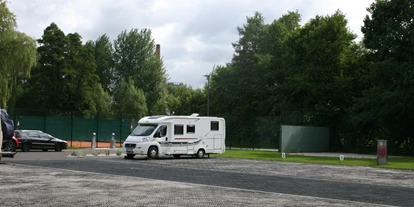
(32, 134)
(44, 136)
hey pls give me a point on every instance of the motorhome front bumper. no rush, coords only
(136, 148)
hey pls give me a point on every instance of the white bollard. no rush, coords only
(341, 157)
(93, 141)
(113, 141)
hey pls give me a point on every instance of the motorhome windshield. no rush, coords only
(143, 130)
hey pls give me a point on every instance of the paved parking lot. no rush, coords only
(57, 179)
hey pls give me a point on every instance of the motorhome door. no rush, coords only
(162, 137)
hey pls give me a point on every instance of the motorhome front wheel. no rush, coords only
(152, 153)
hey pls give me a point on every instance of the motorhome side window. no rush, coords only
(178, 129)
(162, 131)
(190, 129)
(214, 126)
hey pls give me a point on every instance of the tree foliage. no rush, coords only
(307, 72)
(317, 66)
(64, 77)
(389, 38)
(129, 100)
(184, 100)
(103, 51)
(135, 57)
(17, 56)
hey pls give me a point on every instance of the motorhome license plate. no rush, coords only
(131, 150)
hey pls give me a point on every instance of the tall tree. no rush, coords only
(223, 99)
(389, 38)
(129, 100)
(316, 67)
(46, 85)
(135, 57)
(80, 76)
(245, 64)
(259, 64)
(185, 100)
(64, 78)
(276, 59)
(17, 56)
(103, 51)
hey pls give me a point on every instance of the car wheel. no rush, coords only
(58, 147)
(152, 153)
(44, 150)
(176, 156)
(200, 153)
(25, 147)
(9, 146)
(129, 156)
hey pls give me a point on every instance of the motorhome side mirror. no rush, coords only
(157, 134)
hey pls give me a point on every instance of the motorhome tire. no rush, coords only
(200, 153)
(176, 156)
(152, 153)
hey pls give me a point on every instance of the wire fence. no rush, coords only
(346, 133)
(72, 126)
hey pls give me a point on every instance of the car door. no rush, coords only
(34, 140)
(47, 141)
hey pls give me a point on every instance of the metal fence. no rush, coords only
(252, 132)
(241, 131)
(347, 134)
(74, 126)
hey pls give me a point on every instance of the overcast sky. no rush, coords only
(194, 35)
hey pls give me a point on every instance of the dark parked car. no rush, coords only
(35, 139)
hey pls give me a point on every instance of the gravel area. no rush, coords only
(58, 179)
(36, 186)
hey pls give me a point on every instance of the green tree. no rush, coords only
(389, 38)
(79, 76)
(45, 88)
(135, 57)
(103, 51)
(101, 98)
(319, 79)
(127, 99)
(223, 99)
(317, 66)
(184, 100)
(276, 59)
(17, 57)
(258, 66)
(64, 78)
(246, 65)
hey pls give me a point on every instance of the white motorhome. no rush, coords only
(176, 135)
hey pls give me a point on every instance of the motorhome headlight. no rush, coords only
(145, 139)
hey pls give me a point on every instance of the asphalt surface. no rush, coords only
(57, 178)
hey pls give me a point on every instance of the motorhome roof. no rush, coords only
(162, 118)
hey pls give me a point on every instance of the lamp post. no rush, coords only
(208, 94)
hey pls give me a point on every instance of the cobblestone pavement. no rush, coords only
(114, 181)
